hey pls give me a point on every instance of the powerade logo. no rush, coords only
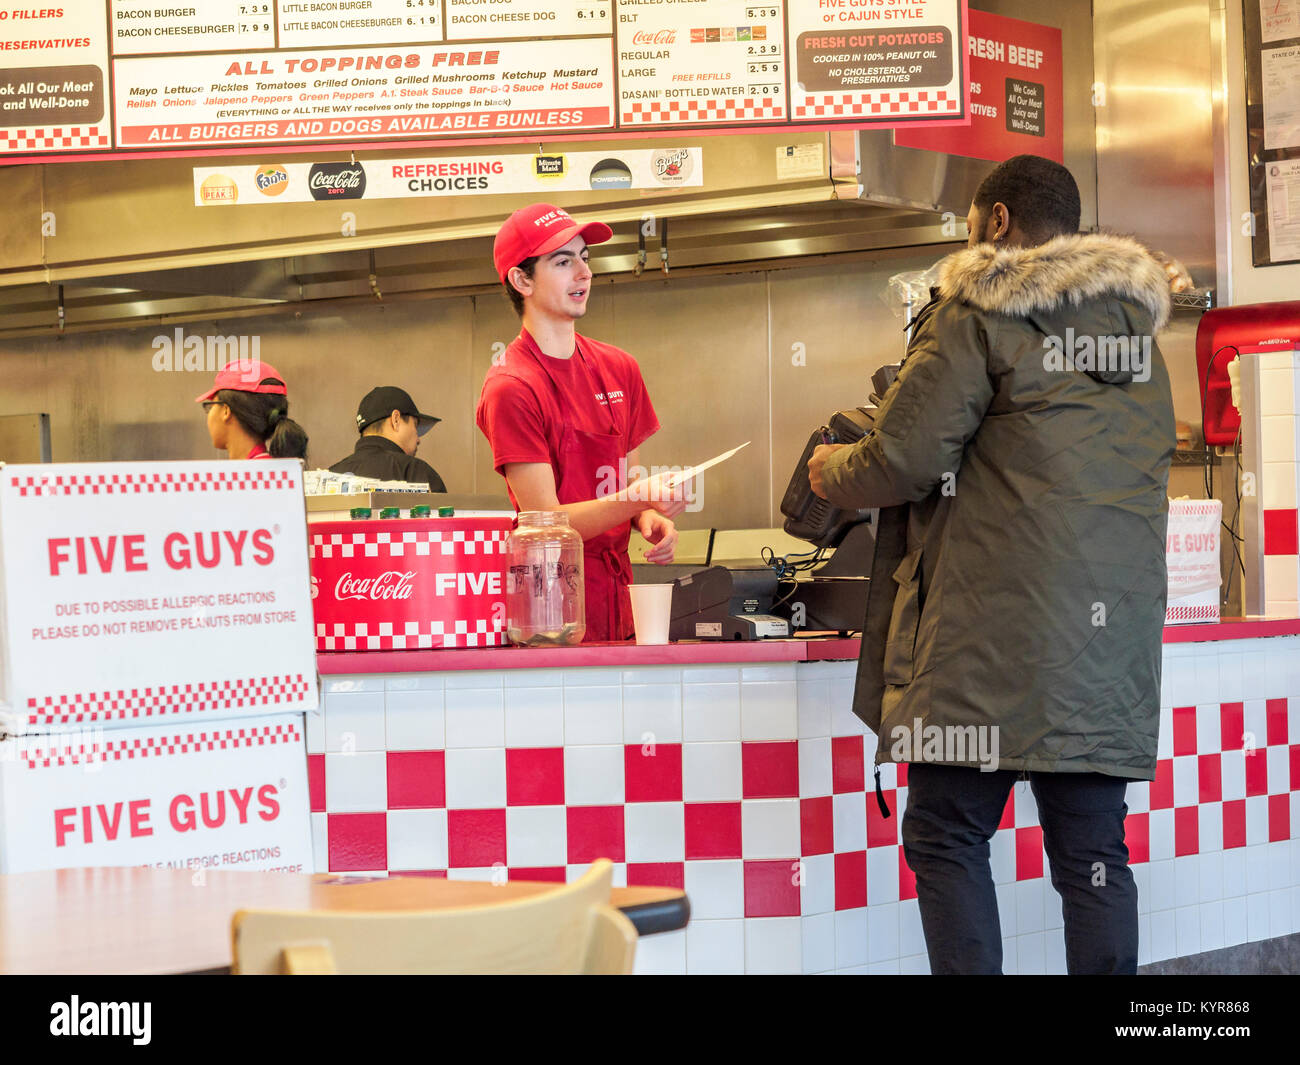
(271, 180)
(336, 181)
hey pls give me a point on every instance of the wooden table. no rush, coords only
(134, 921)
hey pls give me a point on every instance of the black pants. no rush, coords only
(953, 811)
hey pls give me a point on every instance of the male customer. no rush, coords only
(391, 426)
(1018, 586)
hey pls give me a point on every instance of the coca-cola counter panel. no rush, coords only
(409, 583)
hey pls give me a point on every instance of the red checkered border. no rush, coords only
(848, 105)
(368, 544)
(167, 699)
(1208, 612)
(1196, 508)
(411, 635)
(175, 743)
(94, 484)
(726, 109)
(39, 137)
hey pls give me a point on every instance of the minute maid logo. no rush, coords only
(271, 180)
(550, 166)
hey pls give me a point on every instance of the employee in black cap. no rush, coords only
(391, 427)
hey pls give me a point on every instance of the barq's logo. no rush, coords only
(390, 585)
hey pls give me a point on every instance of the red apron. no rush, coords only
(607, 570)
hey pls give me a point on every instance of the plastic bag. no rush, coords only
(908, 292)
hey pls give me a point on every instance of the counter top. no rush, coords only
(701, 652)
(599, 655)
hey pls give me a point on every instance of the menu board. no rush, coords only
(126, 76)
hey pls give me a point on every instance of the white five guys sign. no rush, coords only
(229, 794)
(153, 593)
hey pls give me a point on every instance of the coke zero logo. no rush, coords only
(342, 181)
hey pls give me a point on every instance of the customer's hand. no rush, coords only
(818, 461)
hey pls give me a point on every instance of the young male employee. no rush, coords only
(391, 426)
(565, 414)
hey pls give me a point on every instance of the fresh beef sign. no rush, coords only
(138, 593)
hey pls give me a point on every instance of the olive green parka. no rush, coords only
(1021, 461)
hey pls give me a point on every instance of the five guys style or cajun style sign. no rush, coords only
(403, 584)
(115, 76)
(155, 662)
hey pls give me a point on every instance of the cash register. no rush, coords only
(780, 595)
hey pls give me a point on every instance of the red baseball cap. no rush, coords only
(246, 375)
(537, 229)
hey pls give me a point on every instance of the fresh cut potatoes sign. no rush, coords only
(138, 593)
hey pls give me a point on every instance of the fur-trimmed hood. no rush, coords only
(1068, 269)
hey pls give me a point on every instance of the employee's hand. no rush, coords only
(661, 533)
(818, 461)
(659, 493)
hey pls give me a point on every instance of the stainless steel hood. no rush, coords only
(186, 263)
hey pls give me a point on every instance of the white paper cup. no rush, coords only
(652, 607)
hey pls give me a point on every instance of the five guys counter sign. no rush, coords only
(150, 592)
(155, 662)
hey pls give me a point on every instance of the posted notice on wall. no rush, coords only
(236, 73)
(1282, 188)
(145, 592)
(1281, 73)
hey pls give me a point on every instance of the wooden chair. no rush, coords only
(572, 929)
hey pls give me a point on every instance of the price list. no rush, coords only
(214, 73)
(199, 26)
(685, 63)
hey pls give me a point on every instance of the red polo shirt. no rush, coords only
(600, 387)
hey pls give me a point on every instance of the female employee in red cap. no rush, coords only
(565, 414)
(248, 414)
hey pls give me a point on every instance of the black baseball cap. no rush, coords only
(380, 402)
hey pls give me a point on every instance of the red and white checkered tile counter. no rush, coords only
(750, 786)
(1279, 399)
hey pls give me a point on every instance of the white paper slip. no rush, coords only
(691, 471)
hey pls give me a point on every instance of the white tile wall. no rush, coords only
(773, 945)
(476, 778)
(534, 717)
(711, 772)
(715, 948)
(593, 776)
(716, 889)
(711, 712)
(769, 828)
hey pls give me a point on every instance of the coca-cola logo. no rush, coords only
(662, 37)
(336, 181)
(390, 585)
